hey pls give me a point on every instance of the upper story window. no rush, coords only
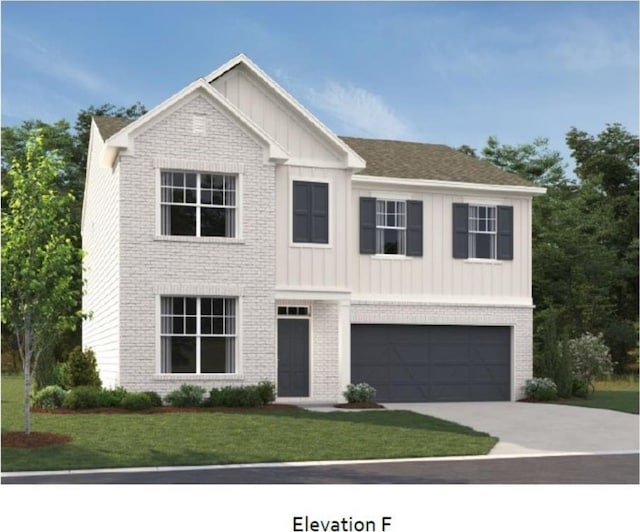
(198, 204)
(310, 212)
(482, 232)
(391, 227)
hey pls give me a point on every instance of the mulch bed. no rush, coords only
(164, 409)
(358, 406)
(22, 440)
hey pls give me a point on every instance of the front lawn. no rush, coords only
(621, 395)
(135, 440)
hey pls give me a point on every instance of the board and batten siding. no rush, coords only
(437, 275)
(281, 122)
(100, 241)
(313, 267)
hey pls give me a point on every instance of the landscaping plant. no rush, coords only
(50, 397)
(186, 395)
(541, 389)
(591, 359)
(359, 393)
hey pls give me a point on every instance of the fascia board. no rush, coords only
(122, 138)
(449, 185)
(354, 161)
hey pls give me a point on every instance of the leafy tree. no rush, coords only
(468, 150)
(71, 146)
(40, 258)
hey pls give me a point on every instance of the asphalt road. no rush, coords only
(582, 469)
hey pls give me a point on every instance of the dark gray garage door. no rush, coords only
(416, 363)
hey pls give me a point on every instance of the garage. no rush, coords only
(430, 363)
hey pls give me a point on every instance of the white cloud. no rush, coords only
(358, 111)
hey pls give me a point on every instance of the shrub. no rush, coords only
(186, 395)
(82, 369)
(591, 358)
(83, 397)
(359, 393)
(49, 397)
(60, 374)
(235, 396)
(580, 388)
(111, 397)
(155, 398)
(267, 392)
(136, 401)
(541, 389)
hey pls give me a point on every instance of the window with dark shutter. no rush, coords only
(414, 228)
(505, 233)
(367, 226)
(310, 212)
(460, 230)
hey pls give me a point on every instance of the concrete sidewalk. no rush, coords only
(533, 428)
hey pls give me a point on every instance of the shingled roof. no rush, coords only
(394, 158)
(415, 160)
(110, 125)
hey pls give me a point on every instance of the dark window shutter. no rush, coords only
(414, 228)
(367, 226)
(301, 211)
(505, 233)
(320, 213)
(460, 231)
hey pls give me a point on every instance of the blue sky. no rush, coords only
(452, 73)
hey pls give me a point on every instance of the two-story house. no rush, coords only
(232, 238)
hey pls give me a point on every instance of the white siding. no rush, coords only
(310, 267)
(437, 276)
(275, 116)
(100, 239)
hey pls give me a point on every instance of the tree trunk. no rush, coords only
(27, 383)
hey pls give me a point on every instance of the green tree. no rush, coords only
(40, 258)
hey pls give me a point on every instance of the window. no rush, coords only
(391, 227)
(310, 212)
(293, 311)
(198, 204)
(198, 335)
(482, 232)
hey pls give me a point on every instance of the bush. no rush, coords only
(186, 395)
(580, 388)
(83, 397)
(136, 401)
(111, 398)
(155, 398)
(60, 374)
(235, 396)
(591, 358)
(541, 389)
(82, 369)
(359, 393)
(267, 392)
(50, 397)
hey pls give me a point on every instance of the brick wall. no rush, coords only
(153, 266)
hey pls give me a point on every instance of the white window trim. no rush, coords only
(303, 179)
(494, 233)
(196, 167)
(393, 256)
(238, 374)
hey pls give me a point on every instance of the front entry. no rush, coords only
(293, 357)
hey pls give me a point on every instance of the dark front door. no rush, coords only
(415, 363)
(293, 358)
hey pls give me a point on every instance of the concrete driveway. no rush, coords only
(533, 428)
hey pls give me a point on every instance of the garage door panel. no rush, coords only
(432, 363)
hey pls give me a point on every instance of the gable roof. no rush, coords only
(354, 160)
(110, 125)
(415, 160)
(121, 139)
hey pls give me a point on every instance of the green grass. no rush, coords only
(618, 394)
(130, 440)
